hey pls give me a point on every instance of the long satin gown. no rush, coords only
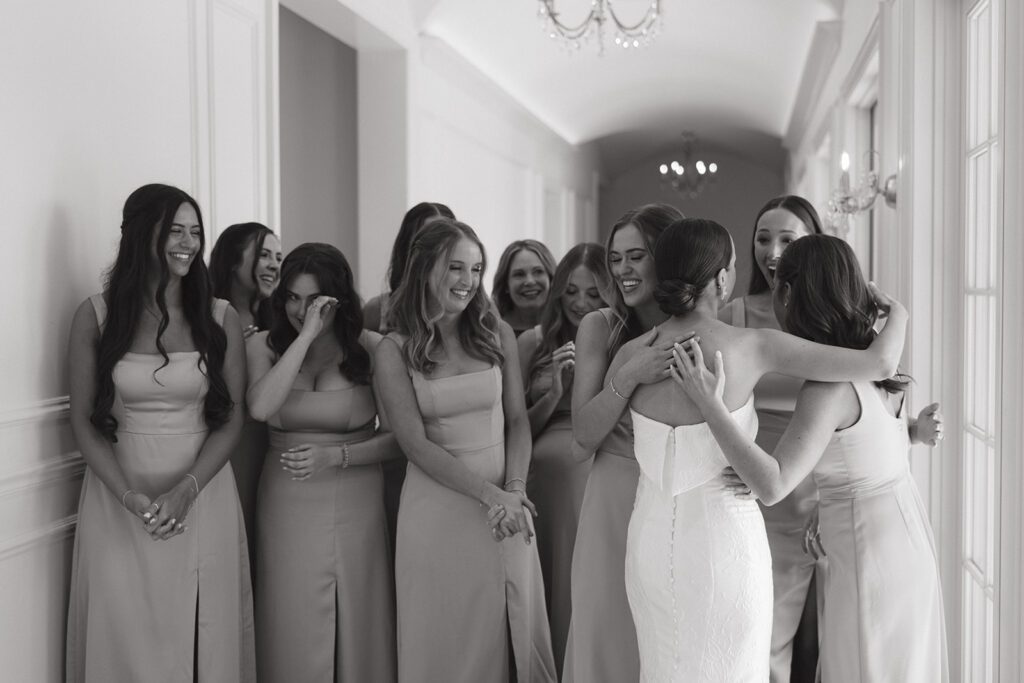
(556, 485)
(465, 600)
(601, 646)
(698, 567)
(160, 611)
(792, 569)
(325, 596)
(883, 617)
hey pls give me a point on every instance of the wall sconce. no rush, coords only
(846, 201)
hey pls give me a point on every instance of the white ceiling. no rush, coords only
(726, 69)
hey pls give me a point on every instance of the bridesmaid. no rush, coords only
(324, 601)
(470, 599)
(521, 283)
(557, 481)
(794, 656)
(375, 315)
(244, 268)
(160, 583)
(375, 312)
(602, 643)
(883, 619)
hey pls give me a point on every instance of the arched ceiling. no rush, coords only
(726, 69)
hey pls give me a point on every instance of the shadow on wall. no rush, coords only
(742, 189)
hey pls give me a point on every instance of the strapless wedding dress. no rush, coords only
(698, 567)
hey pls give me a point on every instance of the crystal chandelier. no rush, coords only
(602, 13)
(687, 177)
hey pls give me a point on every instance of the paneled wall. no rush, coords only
(99, 99)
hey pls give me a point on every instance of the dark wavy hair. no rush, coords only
(500, 292)
(334, 278)
(415, 311)
(688, 255)
(651, 220)
(145, 225)
(413, 221)
(799, 207)
(829, 302)
(227, 256)
(555, 327)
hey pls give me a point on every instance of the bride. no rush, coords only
(698, 568)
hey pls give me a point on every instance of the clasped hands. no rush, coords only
(510, 513)
(164, 517)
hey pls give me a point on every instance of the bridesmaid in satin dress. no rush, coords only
(324, 600)
(883, 617)
(160, 576)
(557, 481)
(469, 585)
(601, 644)
(794, 657)
(244, 268)
(522, 282)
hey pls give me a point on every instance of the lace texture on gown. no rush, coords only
(698, 567)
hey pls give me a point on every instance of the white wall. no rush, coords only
(741, 190)
(319, 169)
(99, 98)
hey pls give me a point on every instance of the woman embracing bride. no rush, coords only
(698, 567)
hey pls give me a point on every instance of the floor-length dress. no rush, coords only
(325, 596)
(698, 567)
(883, 617)
(601, 646)
(247, 465)
(464, 598)
(556, 485)
(792, 569)
(160, 611)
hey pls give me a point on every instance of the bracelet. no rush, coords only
(509, 483)
(345, 456)
(194, 481)
(611, 385)
(125, 495)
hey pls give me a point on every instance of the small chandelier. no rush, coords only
(602, 12)
(687, 177)
(846, 202)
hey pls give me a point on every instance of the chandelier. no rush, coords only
(602, 13)
(686, 176)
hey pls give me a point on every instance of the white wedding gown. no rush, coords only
(698, 567)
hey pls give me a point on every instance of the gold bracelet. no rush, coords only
(345, 456)
(611, 385)
(194, 481)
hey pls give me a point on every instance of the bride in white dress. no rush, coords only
(698, 567)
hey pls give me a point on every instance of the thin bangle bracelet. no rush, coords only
(345, 456)
(611, 385)
(509, 482)
(194, 481)
(125, 495)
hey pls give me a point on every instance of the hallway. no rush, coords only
(327, 119)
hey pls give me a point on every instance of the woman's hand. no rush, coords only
(139, 505)
(512, 513)
(736, 486)
(883, 302)
(928, 428)
(305, 460)
(562, 361)
(170, 509)
(812, 537)
(704, 388)
(315, 314)
(651, 360)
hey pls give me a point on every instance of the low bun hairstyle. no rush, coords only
(688, 255)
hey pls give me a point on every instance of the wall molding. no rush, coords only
(59, 530)
(68, 466)
(817, 67)
(49, 410)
